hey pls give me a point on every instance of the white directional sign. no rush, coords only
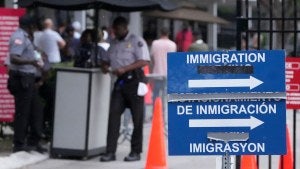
(251, 82)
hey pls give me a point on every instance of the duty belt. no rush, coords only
(19, 73)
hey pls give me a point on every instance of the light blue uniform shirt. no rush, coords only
(21, 45)
(127, 51)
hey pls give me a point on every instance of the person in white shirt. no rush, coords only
(101, 40)
(50, 42)
(77, 27)
(159, 51)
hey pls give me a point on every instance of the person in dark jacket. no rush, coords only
(88, 54)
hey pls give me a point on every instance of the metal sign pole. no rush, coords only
(226, 161)
(226, 137)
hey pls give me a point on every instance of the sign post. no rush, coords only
(227, 103)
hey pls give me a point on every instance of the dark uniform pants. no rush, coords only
(124, 96)
(28, 109)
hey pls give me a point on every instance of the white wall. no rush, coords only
(135, 25)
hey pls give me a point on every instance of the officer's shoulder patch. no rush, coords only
(140, 44)
(18, 42)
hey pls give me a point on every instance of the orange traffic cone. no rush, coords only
(156, 158)
(248, 162)
(286, 161)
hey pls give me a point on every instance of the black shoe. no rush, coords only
(39, 148)
(17, 149)
(133, 157)
(108, 157)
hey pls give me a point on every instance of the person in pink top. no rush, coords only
(184, 38)
(159, 49)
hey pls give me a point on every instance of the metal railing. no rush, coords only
(274, 24)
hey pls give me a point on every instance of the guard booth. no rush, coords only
(273, 24)
(82, 100)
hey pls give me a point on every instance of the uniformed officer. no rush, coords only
(127, 55)
(23, 68)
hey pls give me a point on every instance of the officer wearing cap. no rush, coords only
(23, 68)
(127, 55)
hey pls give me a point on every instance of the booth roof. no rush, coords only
(111, 5)
(191, 14)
